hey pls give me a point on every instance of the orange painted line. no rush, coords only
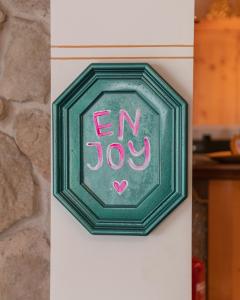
(118, 57)
(122, 46)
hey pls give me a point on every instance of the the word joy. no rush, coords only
(103, 129)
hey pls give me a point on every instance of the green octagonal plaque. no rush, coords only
(120, 148)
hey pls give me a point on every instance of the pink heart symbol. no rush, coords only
(120, 187)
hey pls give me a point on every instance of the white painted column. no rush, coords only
(156, 267)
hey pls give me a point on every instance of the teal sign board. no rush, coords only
(120, 148)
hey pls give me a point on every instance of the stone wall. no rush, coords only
(24, 149)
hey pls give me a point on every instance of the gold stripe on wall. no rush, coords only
(124, 46)
(118, 57)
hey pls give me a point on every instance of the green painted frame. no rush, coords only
(94, 218)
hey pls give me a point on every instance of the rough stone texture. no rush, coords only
(2, 18)
(33, 138)
(24, 193)
(3, 109)
(26, 75)
(24, 264)
(16, 183)
(29, 9)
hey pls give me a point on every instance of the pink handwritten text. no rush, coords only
(104, 129)
(98, 126)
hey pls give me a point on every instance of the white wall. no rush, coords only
(87, 267)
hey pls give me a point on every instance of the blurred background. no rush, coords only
(216, 150)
